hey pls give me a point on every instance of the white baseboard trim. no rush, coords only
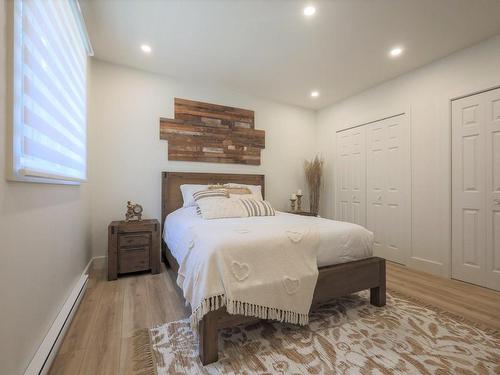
(91, 261)
(427, 265)
(41, 362)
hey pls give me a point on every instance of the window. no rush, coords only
(50, 91)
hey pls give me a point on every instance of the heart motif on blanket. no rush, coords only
(240, 270)
(294, 236)
(291, 285)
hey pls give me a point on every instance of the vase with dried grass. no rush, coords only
(314, 176)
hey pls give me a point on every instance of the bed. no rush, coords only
(357, 270)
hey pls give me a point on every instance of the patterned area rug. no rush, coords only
(346, 336)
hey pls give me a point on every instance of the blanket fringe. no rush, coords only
(143, 357)
(247, 309)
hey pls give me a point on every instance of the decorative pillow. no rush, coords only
(187, 191)
(255, 207)
(236, 190)
(216, 186)
(220, 207)
(214, 193)
(256, 190)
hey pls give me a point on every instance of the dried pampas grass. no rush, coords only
(314, 177)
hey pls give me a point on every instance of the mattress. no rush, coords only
(340, 241)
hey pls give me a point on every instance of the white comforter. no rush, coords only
(339, 242)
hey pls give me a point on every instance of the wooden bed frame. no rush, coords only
(333, 281)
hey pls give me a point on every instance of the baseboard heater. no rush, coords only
(41, 362)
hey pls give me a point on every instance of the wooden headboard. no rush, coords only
(171, 197)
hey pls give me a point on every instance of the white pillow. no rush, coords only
(255, 189)
(188, 191)
(219, 208)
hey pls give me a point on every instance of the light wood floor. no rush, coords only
(99, 338)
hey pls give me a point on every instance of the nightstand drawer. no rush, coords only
(134, 239)
(133, 259)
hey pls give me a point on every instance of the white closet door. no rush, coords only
(358, 176)
(388, 187)
(351, 176)
(492, 105)
(468, 186)
(342, 176)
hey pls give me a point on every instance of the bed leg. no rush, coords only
(209, 340)
(377, 294)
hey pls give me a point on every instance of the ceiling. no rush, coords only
(270, 49)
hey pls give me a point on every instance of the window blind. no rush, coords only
(50, 89)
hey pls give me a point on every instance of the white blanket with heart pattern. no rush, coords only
(264, 271)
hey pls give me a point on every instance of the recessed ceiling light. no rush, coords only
(314, 94)
(145, 48)
(309, 11)
(396, 51)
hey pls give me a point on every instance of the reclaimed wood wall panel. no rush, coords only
(212, 133)
(213, 113)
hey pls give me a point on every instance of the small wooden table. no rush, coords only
(133, 246)
(303, 213)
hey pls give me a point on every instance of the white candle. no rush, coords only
(299, 192)
(293, 196)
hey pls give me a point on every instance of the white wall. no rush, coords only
(426, 94)
(127, 156)
(44, 248)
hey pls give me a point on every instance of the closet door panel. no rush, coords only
(398, 189)
(492, 104)
(375, 177)
(358, 174)
(351, 176)
(376, 223)
(388, 187)
(343, 180)
(468, 185)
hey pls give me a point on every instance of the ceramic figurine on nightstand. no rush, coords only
(134, 210)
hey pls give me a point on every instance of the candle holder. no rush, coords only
(299, 202)
(292, 203)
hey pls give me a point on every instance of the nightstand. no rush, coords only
(303, 213)
(133, 246)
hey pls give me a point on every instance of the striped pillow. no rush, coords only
(214, 193)
(255, 207)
